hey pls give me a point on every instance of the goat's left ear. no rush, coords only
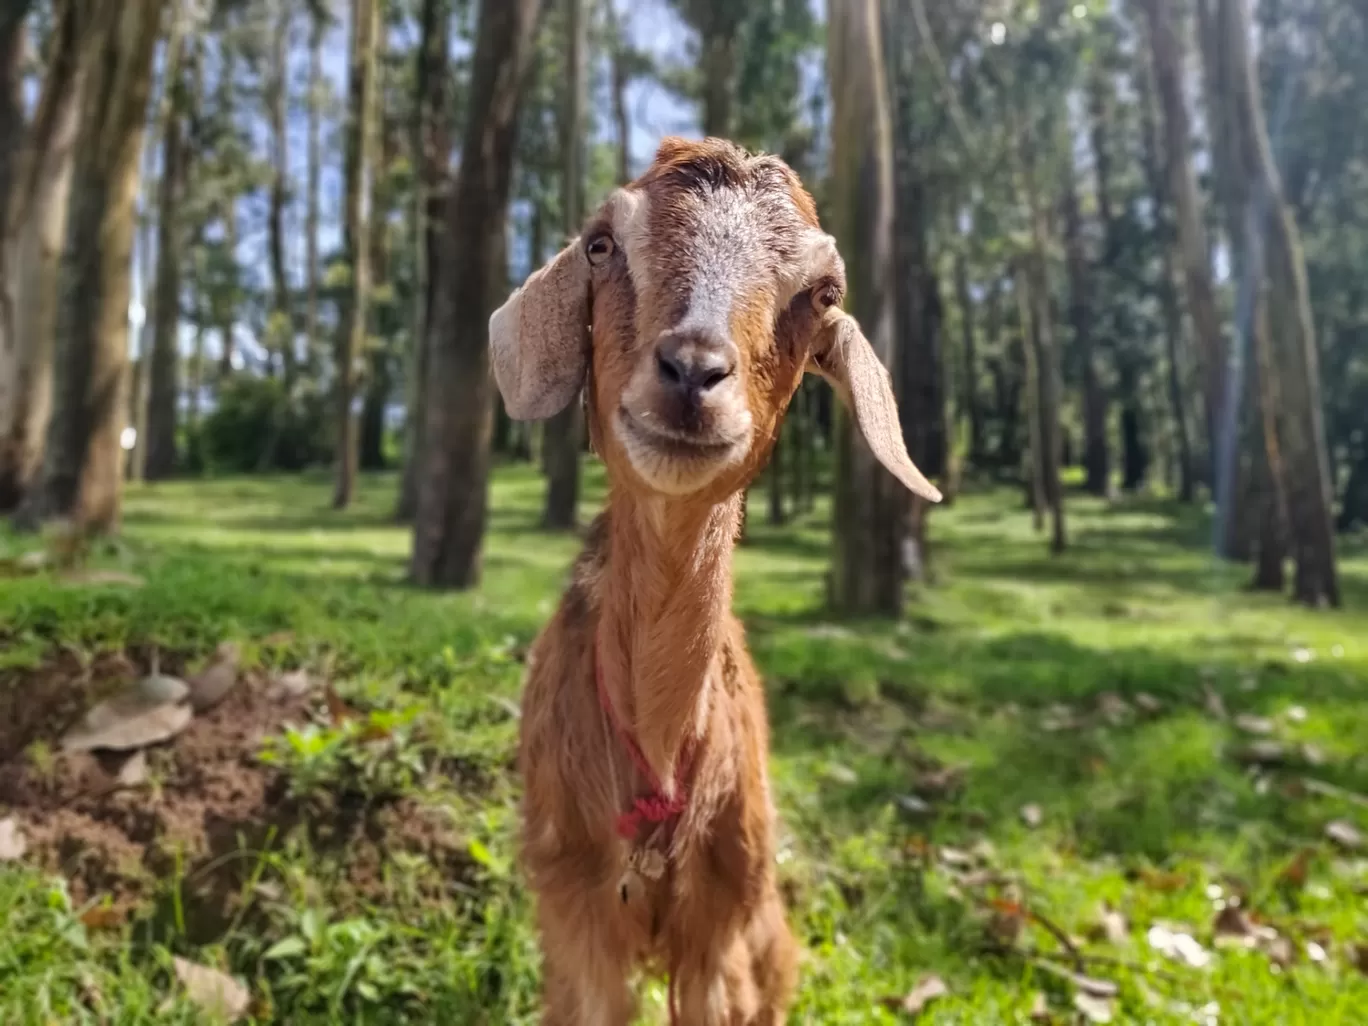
(841, 354)
(539, 338)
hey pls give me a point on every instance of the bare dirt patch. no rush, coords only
(205, 804)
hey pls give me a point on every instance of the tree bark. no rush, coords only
(380, 375)
(1167, 53)
(1272, 253)
(433, 132)
(228, 310)
(1096, 459)
(870, 507)
(1040, 332)
(1174, 348)
(313, 185)
(351, 327)
(973, 408)
(453, 490)
(82, 477)
(620, 77)
(163, 371)
(30, 254)
(280, 329)
(563, 438)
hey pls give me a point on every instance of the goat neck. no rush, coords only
(666, 599)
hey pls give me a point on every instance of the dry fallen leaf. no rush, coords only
(1178, 945)
(1252, 724)
(1264, 752)
(1360, 958)
(939, 783)
(1032, 815)
(102, 917)
(214, 992)
(212, 684)
(1148, 702)
(338, 710)
(1058, 717)
(1114, 709)
(295, 683)
(1345, 834)
(927, 990)
(144, 713)
(280, 639)
(1161, 880)
(133, 772)
(1111, 926)
(1090, 985)
(1094, 1008)
(1215, 704)
(1040, 1009)
(13, 844)
(1293, 875)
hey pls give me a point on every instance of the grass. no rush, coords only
(1081, 684)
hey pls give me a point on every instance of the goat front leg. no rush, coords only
(586, 962)
(714, 985)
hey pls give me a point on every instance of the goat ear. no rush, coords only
(539, 338)
(841, 354)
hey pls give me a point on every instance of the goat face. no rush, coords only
(693, 302)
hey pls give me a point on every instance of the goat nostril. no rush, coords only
(668, 369)
(714, 378)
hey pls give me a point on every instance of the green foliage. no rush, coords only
(257, 426)
(375, 756)
(971, 680)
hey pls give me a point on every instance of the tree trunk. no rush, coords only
(12, 126)
(82, 467)
(1096, 460)
(280, 329)
(775, 480)
(1041, 336)
(1135, 456)
(620, 77)
(973, 409)
(453, 489)
(1033, 457)
(870, 507)
(919, 362)
(1167, 55)
(719, 74)
(563, 438)
(1174, 348)
(1273, 253)
(380, 358)
(35, 228)
(351, 327)
(163, 371)
(313, 185)
(433, 131)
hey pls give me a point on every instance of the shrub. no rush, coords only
(256, 425)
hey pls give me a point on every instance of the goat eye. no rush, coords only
(825, 296)
(599, 249)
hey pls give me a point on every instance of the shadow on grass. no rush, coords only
(1150, 785)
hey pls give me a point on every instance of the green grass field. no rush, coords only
(362, 871)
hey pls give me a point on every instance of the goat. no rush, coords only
(686, 314)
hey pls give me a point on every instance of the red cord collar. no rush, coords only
(655, 806)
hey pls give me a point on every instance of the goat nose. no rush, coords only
(694, 362)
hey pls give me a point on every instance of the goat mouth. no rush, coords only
(672, 443)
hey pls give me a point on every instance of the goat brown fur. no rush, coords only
(688, 311)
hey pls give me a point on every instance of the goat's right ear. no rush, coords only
(841, 354)
(539, 338)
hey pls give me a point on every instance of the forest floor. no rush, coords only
(1105, 785)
